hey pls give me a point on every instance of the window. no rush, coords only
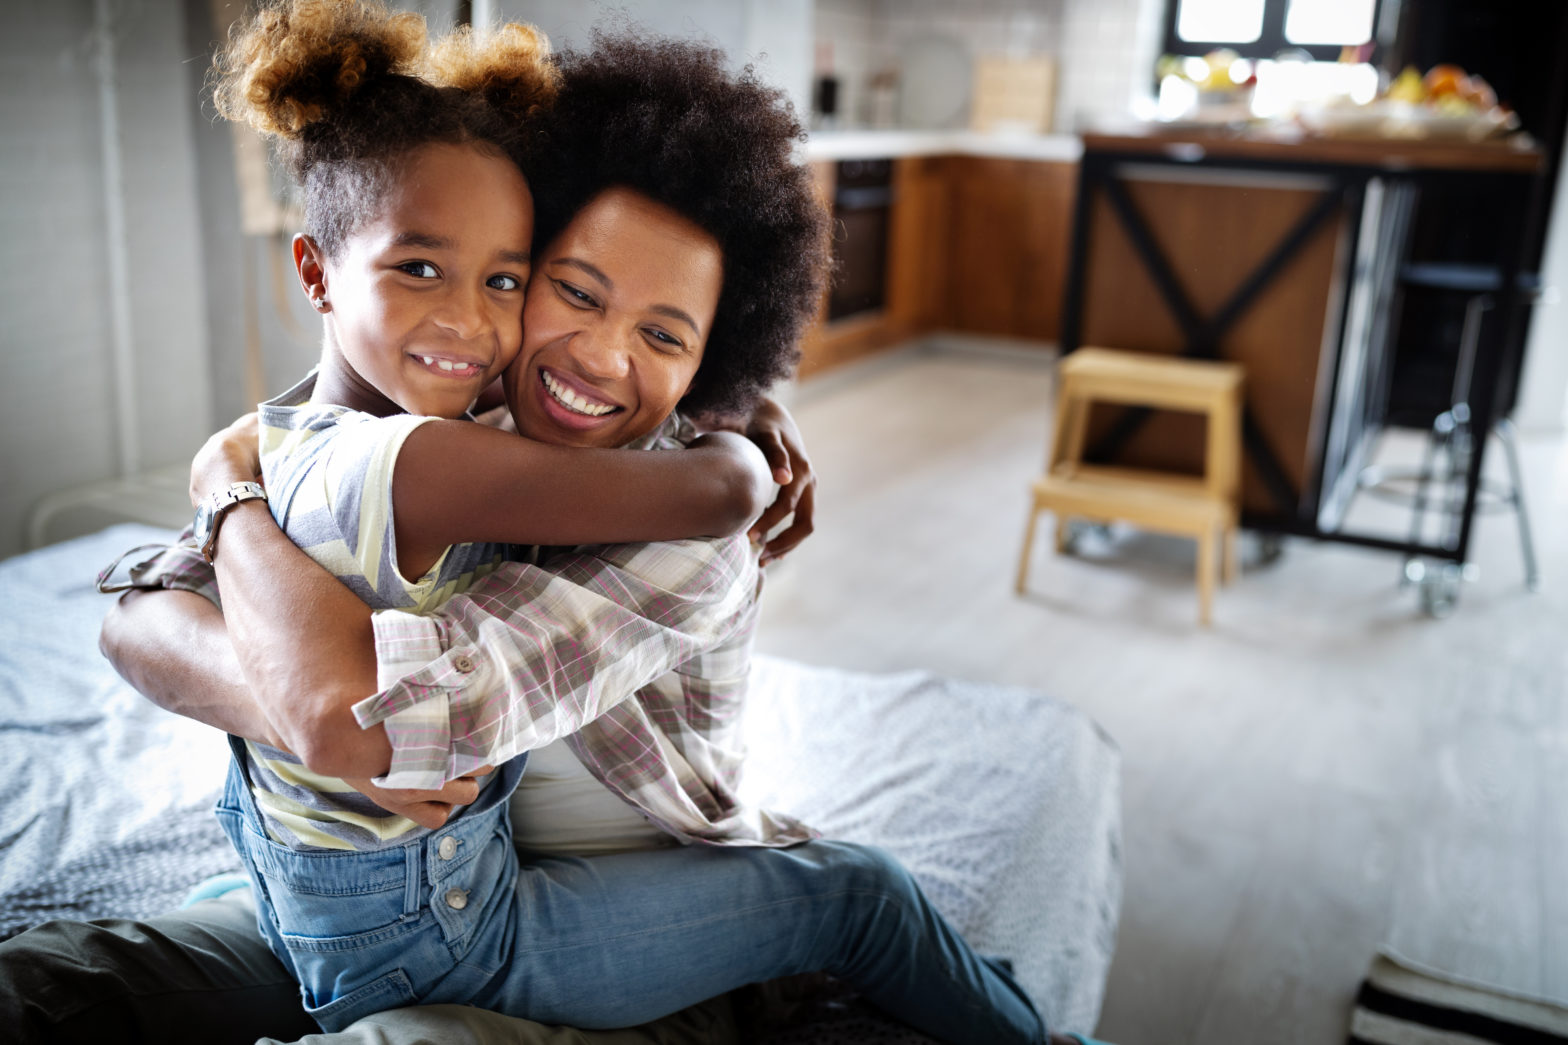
(1263, 28)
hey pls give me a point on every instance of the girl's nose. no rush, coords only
(464, 314)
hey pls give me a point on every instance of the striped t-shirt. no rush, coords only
(328, 472)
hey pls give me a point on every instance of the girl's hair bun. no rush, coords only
(510, 68)
(298, 62)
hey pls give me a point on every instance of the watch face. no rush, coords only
(202, 528)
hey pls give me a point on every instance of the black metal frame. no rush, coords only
(1271, 40)
(1099, 173)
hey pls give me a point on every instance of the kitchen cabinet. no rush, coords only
(976, 244)
(1010, 225)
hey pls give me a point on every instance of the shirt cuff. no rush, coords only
(417, 676)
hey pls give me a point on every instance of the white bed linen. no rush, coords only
(1004, 803)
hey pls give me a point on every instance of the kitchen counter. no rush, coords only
(863, 145)
(1516, 156)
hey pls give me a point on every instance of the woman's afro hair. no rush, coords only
(346, 89)
(668, 119)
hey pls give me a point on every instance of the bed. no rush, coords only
(1023, 854)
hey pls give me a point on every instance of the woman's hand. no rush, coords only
(428, 809)
(774, 431)
(230, 455)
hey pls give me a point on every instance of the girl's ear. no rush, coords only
(311, 264)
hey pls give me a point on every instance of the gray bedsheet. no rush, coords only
(1003, 802)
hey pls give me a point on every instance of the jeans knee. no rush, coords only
(868, 869)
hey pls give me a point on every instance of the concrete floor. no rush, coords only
(1324, 771)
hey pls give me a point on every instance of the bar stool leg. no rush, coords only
(1508, 436)
(1441, 426)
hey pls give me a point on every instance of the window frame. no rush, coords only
(1271, 39)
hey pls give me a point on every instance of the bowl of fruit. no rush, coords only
(1445, 104)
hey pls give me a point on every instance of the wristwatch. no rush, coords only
(210, 513)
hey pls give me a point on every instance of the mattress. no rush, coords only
(1004, 803)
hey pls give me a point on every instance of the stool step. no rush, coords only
(1149, 500)
(1146, 379)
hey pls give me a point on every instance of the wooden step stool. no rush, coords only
(1203, 508)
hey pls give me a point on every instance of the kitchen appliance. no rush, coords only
(862, 202)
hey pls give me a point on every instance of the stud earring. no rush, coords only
(321, 304)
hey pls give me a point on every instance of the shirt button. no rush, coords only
(456, 899)
(447, 848)
(463, 663)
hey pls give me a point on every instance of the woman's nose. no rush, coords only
(601, 352)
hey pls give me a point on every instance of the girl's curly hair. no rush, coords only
(668, 119)
(346, 89)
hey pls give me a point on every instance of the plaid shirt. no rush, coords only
(533, 653)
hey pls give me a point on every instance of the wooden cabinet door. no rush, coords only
(1010, 227)
(919, 246)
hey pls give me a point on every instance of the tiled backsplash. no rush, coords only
(1104, 49)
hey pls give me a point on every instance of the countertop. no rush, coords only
(1508, 156)
(865, 145)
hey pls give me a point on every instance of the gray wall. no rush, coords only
(774, 35)
(104, 340)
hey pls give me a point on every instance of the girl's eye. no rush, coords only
(576, 295)
(502, 282)
(421, 269)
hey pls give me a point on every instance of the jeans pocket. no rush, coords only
(391, 990)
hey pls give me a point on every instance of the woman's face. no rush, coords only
(618, 311)
(426, 296)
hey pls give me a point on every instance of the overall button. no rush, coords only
(456, 899)
(446, 848)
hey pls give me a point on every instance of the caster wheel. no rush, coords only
(1440, 590)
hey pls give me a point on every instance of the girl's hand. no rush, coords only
(231, 455)
(773, 430)
(428, 809)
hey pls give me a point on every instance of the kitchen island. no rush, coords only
(1283, 254)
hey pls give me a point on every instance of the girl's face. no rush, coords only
(426, 296)
(618, 311)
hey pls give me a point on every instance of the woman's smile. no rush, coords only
(575, 400)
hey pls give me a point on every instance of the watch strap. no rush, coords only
(223, 500)
(216, 507)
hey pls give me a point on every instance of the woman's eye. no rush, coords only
(664, 340)
(421, 269)
(504, 283)
(576, 295)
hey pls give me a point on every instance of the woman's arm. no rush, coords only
(456, 481)
(173, 648)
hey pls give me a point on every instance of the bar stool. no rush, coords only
(1205, 508)
(1450, 441)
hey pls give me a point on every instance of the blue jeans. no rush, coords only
(608, 941)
